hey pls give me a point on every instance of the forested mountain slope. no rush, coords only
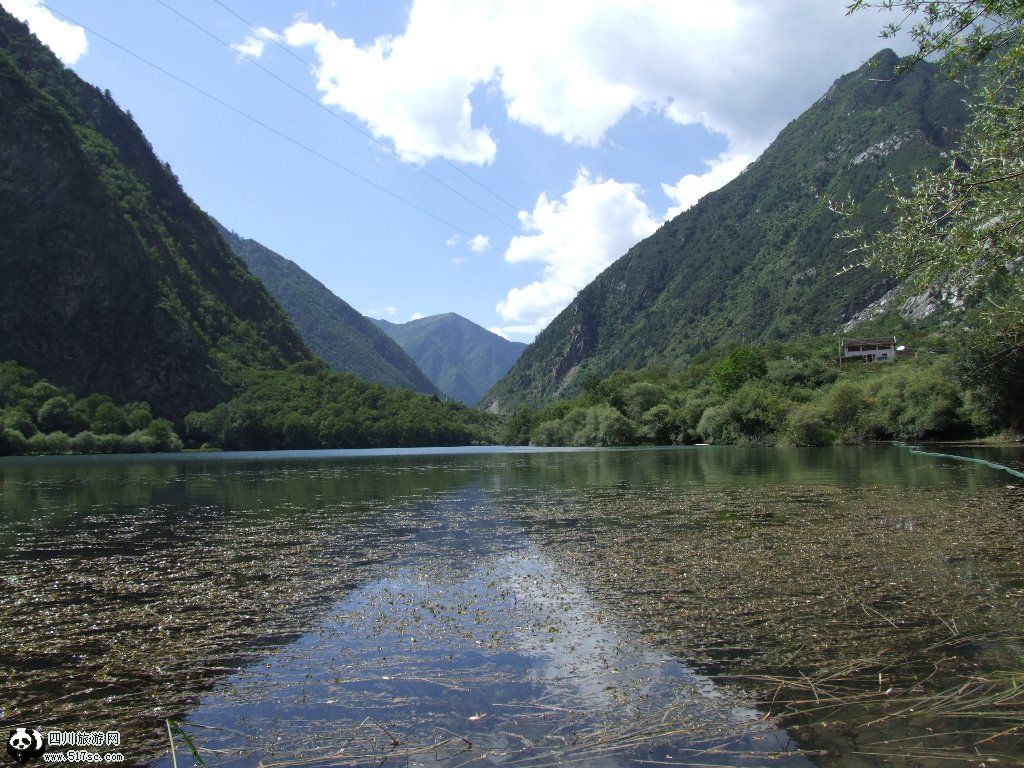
(758, 259)
(463, 359)
(347, 341)
(112, 280)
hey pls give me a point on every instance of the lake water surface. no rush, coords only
(707, 605)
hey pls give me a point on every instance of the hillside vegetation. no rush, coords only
(309, 406)
(756, 261)
(461, 358)
(331, 328)
(765, 394)
(37, 417)
(119, 290)
(111, 278)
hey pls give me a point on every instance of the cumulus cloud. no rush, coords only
(741, 68)
(498, 332)
(693, 186)
(573, 239)
(66, 40)
(417, 316)
(413, 89)
(254, 45)
(479, 243)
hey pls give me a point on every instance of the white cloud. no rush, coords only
(412, 89)
(66, 40)
(574, 238)
(479, 243)
(417, 316)
(457, 260)
(453, 240)
(254, 45)
(498, 331)
(573, 69)
(692, 187)
(390, 310)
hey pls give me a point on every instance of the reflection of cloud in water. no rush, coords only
(480, 638)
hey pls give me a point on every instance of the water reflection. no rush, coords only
(592, 592)
(475, 648)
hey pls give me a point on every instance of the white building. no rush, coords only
(867, 350)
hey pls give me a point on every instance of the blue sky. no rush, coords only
(568, 131)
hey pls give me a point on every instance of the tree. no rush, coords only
(519, 426)
(740, 365)
(109, 420)
(963, 226)
(990, 360)
(56, 415)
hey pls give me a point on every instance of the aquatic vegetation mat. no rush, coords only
(868, 621)
(714, 607)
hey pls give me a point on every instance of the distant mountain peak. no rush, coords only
(346, 340)
(461, 358)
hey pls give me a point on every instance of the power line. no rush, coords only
(337, 116)
(397, 128)
(260, 123)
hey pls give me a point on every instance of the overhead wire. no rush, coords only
(317, 103)
(431, 150)
(255, 120)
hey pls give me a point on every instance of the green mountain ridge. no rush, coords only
(330, 327)
(462, 359)
(759, 259)
(112, 279)
(123, 304)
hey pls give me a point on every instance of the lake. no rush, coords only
(520, 607)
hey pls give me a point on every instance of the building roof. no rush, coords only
(872, 340)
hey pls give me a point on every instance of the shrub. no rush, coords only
(604, 425)
(56, 415)
(12, 442)
(20, 421)
(138, 416)
(108, 419)
(659, 425)
(552, 432)
(989, 360)
(55, 442)
(755, 411)
(519, 426)
(640, 397)
(845, 404)
(85, 442)
(809, 424)
(161, 434)
(716, 425)
(740, 365)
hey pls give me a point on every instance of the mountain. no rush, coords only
(758, 259)
(112, 279)
(461, 358)
(347, 341)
